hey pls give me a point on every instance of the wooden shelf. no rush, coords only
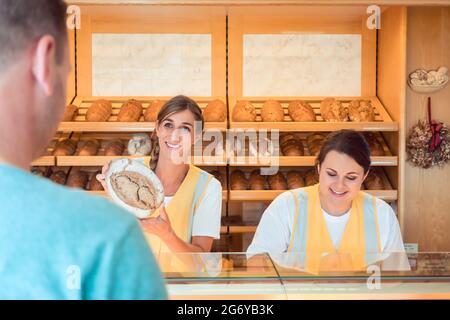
(44, 161)
(270, 195)
(383, 122)
(79, 124)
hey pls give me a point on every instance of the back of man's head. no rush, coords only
(34, 65)
(24, 21)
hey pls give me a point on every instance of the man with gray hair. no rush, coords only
(55, 243)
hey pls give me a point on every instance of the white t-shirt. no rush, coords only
(208, 214)
(274, 230)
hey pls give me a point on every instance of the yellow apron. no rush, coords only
(180, 211)
(311, 242)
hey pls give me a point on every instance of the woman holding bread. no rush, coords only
(189, 220)
(333, 225)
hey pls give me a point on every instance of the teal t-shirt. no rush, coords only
(57, 243)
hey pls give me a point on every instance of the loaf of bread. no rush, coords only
(301, 111)
(311, 177)
(114, 148)
(77, 179)
(272, 111)
(153, 109)
(65, 147)
(89, 148)
(361, 111)
(238, 181)
(139, 145)
(374, 180)
(292, 148)
(94, 184)
(314, 143)
(295, 180)
(59, 177)
(333, 110)
(244, 111)
(40, 172)
(257, 181)
(376, 149)
(130, 111)
(215, 111)
(277, 182)
(134, 189)
(70, 113)
(99, 111)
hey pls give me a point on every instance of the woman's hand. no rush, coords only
(159, 226)
(101, 177)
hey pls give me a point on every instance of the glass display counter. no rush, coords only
(285, 276)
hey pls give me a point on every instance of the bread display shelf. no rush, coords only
(48, 159)
(387, 194)
(83, 103)
(383, 121)
(100, 159)
(308, 160)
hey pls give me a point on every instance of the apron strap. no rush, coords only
(200, 190)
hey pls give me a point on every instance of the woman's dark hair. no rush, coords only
(348, 142)
(176, 104)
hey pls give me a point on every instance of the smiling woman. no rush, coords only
(189, 221)
(333, 225)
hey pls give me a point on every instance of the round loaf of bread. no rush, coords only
(77, 179)
(272, 111)
(89, 148)
(130, 111)
(374, 180)
(215, 111)
(59, 177)
(361, 111)
(376, 149)
(238, 180)
(311, 177)
(114, 148)
(301, 111)
(244, 111)
(153, 109)
(292, 148)
(99, 111)
(257, 181)
(94, 184)
(277, 182)
(333, 110)
(295, 180)
(65, 147)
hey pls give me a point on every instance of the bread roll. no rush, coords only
(361, 111)
(238, 180)
(94, 184)
(374, 180)
(286, 137)
(376, 149)
(151, 113)
(277, 182)
(292, 148)
(215, 111)
(66, 147)
(311, 177)
(301, 111)
(295, 180)
(77, 179)
(89, 148)
(114, 148)
(333, 110)
(314, 143)
(257, 181)
(39, 172)
(59, 177)
(130, 111)
(272, 111)
(99, 111)
(70, 113)
(244, 111)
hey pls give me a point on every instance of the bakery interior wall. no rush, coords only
(427, 205)
(386, 79)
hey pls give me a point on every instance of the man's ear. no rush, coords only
(44, 63)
